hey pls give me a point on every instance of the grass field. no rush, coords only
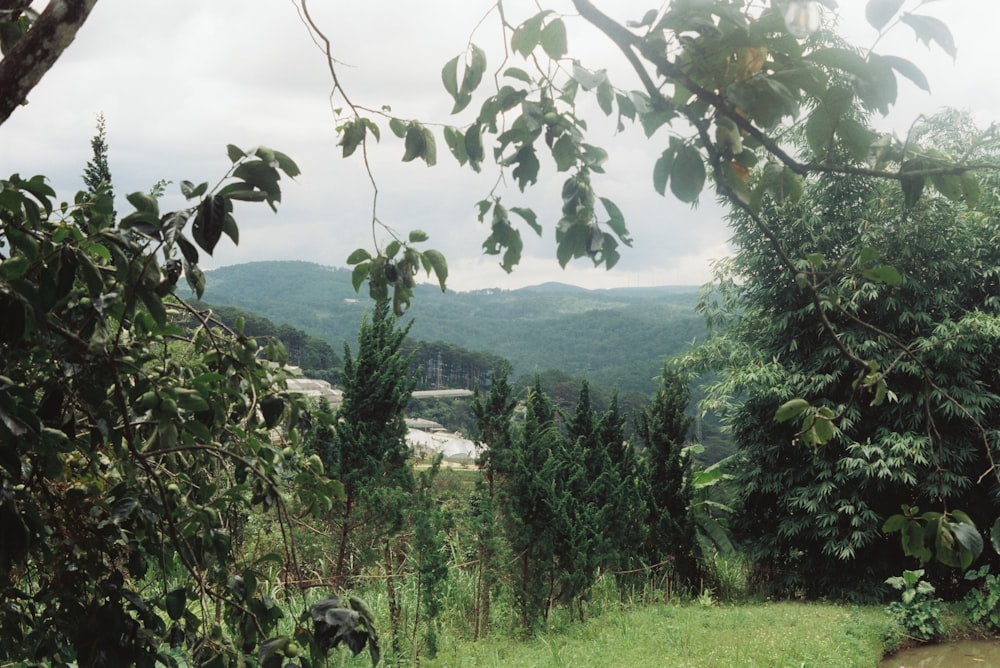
(770, 635)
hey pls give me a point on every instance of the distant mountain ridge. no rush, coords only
(613, 337)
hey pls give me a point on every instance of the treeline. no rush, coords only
(313, 355)
(614, 338)
(574, 500)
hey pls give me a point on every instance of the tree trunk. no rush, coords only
(395, 611)
(38, 50)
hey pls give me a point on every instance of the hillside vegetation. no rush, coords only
(611, 337)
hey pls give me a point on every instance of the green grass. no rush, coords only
(767, 635)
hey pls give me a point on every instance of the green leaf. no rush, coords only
(235, 153)
(856, 137)
(195, 278)
(144, 203)
(884, 274)
(606, 97)
(192, 191)
(894, 523)
(687, 174)
(908, 70)
(529, 217)
(449, 77)
(517, 73)
(398, 127)
(969, 538)
(527, 35)
(824, 429)
(880, 12)
(553, 39)
(393, 248)
(417, 236)
(471, 78)
(790, 409)
(359, 255)
(661, 171)
(175, 602)
(439, 265)
(929, 29)
(359, 275)
(995, 535)
(288, 166)
(564, 152)
(455, 140)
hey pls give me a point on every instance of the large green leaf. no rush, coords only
(687, 174)
(880, 12)
(553, 39)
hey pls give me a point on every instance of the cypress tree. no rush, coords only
(663, 426)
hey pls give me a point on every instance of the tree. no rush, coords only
(97, 172)
(625, 520)
(663, 427)
(815, 495)
(371, 454)
(132, 448)
(495, 437)
(529, 503)
(32, 43)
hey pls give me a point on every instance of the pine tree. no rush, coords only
(97, 173)
(493, 423)
(663, 426)
(371, 458)
(528, 500)
(624, 521)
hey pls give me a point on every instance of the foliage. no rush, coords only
(494, 435)
(430, 526)
(815, 493)
(132, 449)
(663, 427)
(370, 453)
(313, 355)
(951, 538)
(97, 172)
(917, 612)
(612, 337)
(530, 475)
(982, 604)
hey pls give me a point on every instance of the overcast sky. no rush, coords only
(179, 79)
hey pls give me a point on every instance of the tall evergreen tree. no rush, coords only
(370, 454)
(586, 479)
(493, 423)
(662, 426)
(528, 498)
(97, 173)
(625, 516)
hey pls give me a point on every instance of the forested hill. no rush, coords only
(611, 337)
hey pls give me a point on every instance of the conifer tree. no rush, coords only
(493, 422)
(371, 452)
(97, 172)
(624, 524)
(528, 500)
(663, 426)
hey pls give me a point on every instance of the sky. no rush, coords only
(177, 80)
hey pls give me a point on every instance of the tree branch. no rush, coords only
(39, 49)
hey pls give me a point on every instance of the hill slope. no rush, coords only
(612, 337)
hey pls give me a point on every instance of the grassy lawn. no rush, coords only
(766, 635)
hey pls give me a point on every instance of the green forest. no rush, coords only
(167, 500)
(614, 338)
